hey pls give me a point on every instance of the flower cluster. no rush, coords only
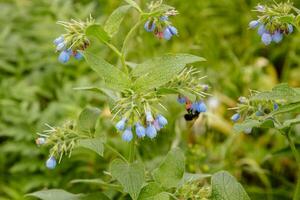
(161, 26)
(247, 108)
(62, 139)
(147, 126)
(71, 43)
(193, 108)
(271, 24)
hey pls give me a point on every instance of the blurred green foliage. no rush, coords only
(36, 89)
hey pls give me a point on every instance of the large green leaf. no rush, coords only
(87, 119)
(171, 170)
(98, 32)
(115, 19)
(56, 194)
(160, 70)
(281, 92)
(152, 191)
(226, 187)
(130, 176)
(94, 144)
(113, 77)
(94, 196)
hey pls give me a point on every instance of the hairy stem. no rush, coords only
(132, 149)
(297, 157)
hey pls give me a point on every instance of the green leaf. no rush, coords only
(115, 19)
(287, 18)
(87, 119)
(160, 70)
(225, 187)
(281, 92)
(171, 170)
(94, 144)
(288, 123)
(249, 123)
(134, 4)
(150, 192)
(56, 194)
(130, 176)
(95, 196)
(113, 77)
(98, 32)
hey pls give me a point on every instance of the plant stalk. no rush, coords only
(297, 157)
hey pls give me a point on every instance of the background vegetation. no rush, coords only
(36, 89)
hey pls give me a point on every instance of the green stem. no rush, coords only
(115, 151)
(132, 149)
(112, 47)
(297, 157)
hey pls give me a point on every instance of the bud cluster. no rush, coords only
(73, 41)
(159, 23)
(62, 141)
(248, 108)
(272, 22)
(194, 190)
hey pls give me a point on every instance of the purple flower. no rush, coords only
(51, 163)
(199, 107)
(260, 8)
(151, 131)
(64, 56)
(162, 120)
(266, 38)
(235, 117)
(181, 100)
(140, 130)
(276, 106)
(40, 141)
(261, 30)
(156, 125)
(149, 26)
(58, 40)
(253, 24)
(127, 135)
(169, 32)
(149, 117)
(61, 46)
(243, 100)
(290, 28)
(164, 18)
(78, 55)
(121, 124)
(277, 36)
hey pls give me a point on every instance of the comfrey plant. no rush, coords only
(278, 109)
(135, 95)
(275, 21)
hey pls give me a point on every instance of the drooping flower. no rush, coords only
(140, 130)
(276, 106)
(199, 107)
(64, 56)
(266, 38)
(51, 163)
(156, 125)
(151, 131)
(127, 135)
(162, 120)
(58, 40)
(253, 24)
(181, 100)
(121, 124)
(243, 100)
(149, 26)
(61, 46)
(169, 32)
(149, 117)
(277, 36)
(78, 55)
(290, 28)
(235, 117)
(164, 18)
(261, 30)
(40, 141)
